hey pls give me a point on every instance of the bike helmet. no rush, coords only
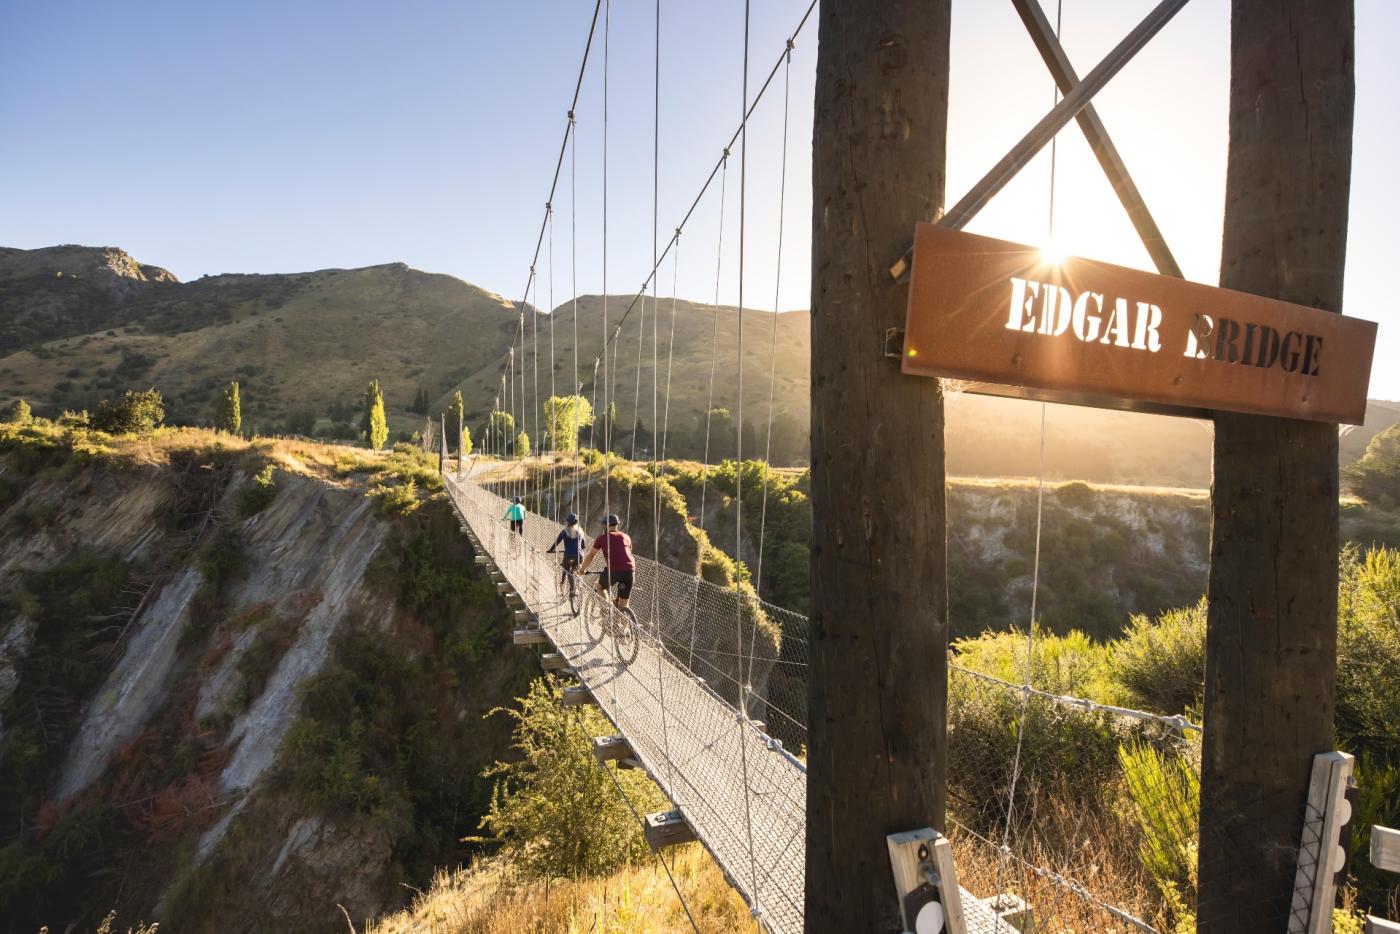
(517, 499)
(613, 521)
(571, 519)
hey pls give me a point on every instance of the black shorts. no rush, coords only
(569, 564)
(623, 580)
(517, 525)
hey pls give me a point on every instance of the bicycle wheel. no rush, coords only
(593, 609)
(626, 634)
(574, 599)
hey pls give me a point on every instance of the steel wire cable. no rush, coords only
(559, 163)
(607, 399)
(716, 170)
(773, 351)
(1039, 515)
(739, 464)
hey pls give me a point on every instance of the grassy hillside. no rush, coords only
(79, 324)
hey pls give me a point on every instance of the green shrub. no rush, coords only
(1165, 789)
(394, 500)
(1376, 476)
(1368, 653)
(19, 413)
(259, 492)
(1160, 664)
(134, 413)
(1076, 495)
(1071, 664)
(536, 812)
(1070, 754)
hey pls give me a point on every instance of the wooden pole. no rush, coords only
(878, 678)
(1272, 628)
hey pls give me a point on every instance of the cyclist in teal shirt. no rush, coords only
(516, 515)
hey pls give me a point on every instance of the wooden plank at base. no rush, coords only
(553, 661)
(611, 748)
(525, 616)
(1385, 849)
(530, 635)
(577, 697)
(1012, 910)
(482, 559)
(1376, 925)
(667, 828)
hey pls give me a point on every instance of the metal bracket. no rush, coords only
(925, 881)
(894, 343)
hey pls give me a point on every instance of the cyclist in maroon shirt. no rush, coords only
(616, 547)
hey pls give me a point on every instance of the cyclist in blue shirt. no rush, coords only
(516, 515)
(571, 537)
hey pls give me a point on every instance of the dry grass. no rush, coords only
(488, 899)
(1094, 849)
(164, 445)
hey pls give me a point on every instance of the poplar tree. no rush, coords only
(456, 413)
(230, 417)
(522, 445)
(376, 425)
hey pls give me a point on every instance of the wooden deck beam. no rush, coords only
(577, 697)
(667, 828)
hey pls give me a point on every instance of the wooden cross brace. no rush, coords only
(1075, 104)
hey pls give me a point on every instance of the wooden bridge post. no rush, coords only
(1272, 626)
(878, 677)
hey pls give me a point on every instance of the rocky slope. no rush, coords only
(64, 291)
(227, 705)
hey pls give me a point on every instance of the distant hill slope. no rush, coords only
(303, 344)
(63, 291)
(78, 324)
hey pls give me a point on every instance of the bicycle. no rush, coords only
(568, 581)
(605, 617)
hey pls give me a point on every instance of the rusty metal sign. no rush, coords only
(1014, 322)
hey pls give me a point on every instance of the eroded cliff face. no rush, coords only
(164, 640)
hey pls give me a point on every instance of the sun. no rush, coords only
(1053, 252)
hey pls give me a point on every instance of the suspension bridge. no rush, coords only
(687, 707)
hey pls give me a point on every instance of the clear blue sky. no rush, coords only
(284, 136)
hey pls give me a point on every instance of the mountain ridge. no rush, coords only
(79, 324)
